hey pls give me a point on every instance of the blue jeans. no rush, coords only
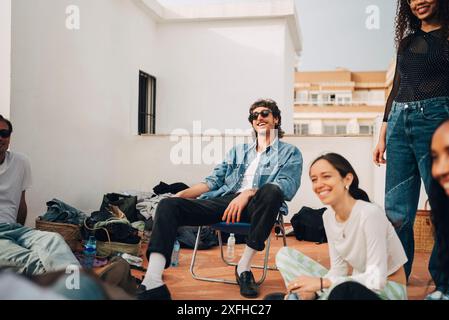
(30, 251)
(409, 131)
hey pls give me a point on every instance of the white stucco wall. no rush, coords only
(146, 167)
(74, 92)
(5, 56)
(74, 95)
(289, 83)
(214, 70)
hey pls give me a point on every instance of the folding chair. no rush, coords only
(240, 228)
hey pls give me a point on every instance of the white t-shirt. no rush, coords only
(15, 177)
(248, 178)
(367, 241)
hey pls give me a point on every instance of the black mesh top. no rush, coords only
(422, 68)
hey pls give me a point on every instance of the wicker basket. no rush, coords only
(70, 232)
(105, 249)
(423, 231)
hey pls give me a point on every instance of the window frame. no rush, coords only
(146, 104)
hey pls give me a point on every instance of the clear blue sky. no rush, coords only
(334, 33)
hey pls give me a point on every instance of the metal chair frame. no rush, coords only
(279, 229)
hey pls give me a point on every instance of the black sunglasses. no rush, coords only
(5, 133)
(264, 113)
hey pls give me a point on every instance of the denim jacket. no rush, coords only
(280, 164)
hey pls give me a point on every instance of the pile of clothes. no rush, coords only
(109, 227)
(122, 215)
(60, 212)
(147, 202)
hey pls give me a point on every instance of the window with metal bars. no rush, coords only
(147, 103)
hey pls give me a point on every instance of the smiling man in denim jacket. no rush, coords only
(250, 185)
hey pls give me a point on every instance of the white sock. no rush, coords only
(156, 266)
(245, 261)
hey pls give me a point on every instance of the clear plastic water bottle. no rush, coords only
(90, 251)
(230, 248)
(175, 254)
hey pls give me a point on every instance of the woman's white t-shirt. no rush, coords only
(366, 241)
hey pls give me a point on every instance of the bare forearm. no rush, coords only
(22, 214)
(383, 131)
(23, 210)
(194, 191)
(249, 193)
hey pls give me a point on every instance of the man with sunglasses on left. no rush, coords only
(250, 185)
(23, 249)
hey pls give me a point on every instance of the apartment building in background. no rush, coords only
(340, 102)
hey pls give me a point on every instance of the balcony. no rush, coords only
(348, 103)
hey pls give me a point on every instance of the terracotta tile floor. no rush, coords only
(183, 287)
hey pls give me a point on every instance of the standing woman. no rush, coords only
(418, 102)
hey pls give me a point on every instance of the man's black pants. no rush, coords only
(171, 213)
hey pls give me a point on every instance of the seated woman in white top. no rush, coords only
(359, 236)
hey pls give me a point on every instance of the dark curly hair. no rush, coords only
(407, 23)
(270, 104)
(7, 122)
(439, 202)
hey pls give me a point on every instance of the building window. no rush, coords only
(304, 129)
(329, 130)
(314, 98)
(340, 129)
(147, 103)
(366, 129)
(297, 129)
(302, 97)
(333, 129)
(340, 101)
(328, 98)
(301, 129)
(344, 99)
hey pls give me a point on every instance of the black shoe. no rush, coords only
(248, 286)
(275, 296)
(159, 293)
